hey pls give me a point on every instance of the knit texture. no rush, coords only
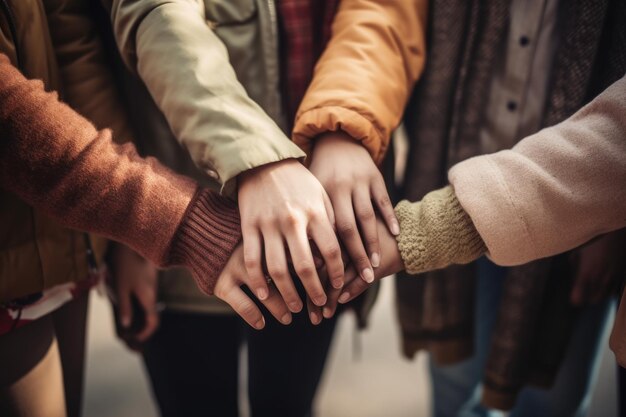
(436, 232)
(55, 160)
(206, 238)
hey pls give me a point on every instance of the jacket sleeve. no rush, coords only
(555, 189)
(363, 80)
(58, 162)
(87, 83)
(186, 69)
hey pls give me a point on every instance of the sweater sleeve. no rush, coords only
(555, 189)
(364, 77)
(58, 162)
(436, 232)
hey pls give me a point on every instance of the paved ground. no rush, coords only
(380, 383)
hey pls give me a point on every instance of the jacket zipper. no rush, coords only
(4, 5)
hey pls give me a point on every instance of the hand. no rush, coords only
(391, 263)
(601, 268)
(134, 277)
(283, 203)
(352, 181)
(228, 288)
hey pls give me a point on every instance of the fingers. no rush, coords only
(125, 310)
(366, 217)
(331, 305)
(147, 300)
(252, 261)
(330, 212)
(383, 203)
(303, 263)
(277, 307)
(353, 287)
(244, 306)
(349, 234)
(315, 312)
(328, 245)
(276, 262)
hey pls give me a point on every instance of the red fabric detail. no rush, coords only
(305, 30)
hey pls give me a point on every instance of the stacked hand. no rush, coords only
(282, 205)
(290, 219)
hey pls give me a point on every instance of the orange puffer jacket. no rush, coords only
(363, 80)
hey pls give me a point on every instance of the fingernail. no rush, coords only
(337, 283)
(315, 318)
(375, 260)
(368, 275)
(344, 297)
(260, 324)
(262, 294)
(320, 301)
(395, 228)
(327, 313)
(295, 307)
(125, 321)
(286, 319)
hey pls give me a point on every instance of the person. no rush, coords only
(56, 161)
(258, 59)
(45, 273)
(469, 101)
(546, 195)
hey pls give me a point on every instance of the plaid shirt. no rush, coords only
(305, 27)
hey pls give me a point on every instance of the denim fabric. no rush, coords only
(457, 388)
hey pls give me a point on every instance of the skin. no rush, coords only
(133, 275)
(282, 205)
(391, 263)
(228, 288)
(356, 188)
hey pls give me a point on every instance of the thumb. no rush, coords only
(125, 310)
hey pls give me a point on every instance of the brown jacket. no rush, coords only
(54, 41)
(57, 161)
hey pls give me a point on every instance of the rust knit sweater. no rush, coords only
(57, 161)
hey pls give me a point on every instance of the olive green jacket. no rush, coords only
(212, 68)
(210, 81)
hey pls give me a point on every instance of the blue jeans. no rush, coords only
(457, 388)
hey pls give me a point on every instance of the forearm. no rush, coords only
(186, 68)
(554, 190)
(58, 162)
(363, 80)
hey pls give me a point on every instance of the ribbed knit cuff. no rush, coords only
(436, 232)
(206, 237)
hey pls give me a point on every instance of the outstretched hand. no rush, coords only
(228, 288)
(281, 205)
(391, 263)
(348, 174)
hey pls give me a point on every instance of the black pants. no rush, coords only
(193, 363)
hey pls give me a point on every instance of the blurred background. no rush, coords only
(377, 382)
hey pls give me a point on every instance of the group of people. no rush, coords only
(212, 157)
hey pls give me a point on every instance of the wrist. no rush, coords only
(436, 232)
(206, 237)
(335, 137)
(264, 170)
